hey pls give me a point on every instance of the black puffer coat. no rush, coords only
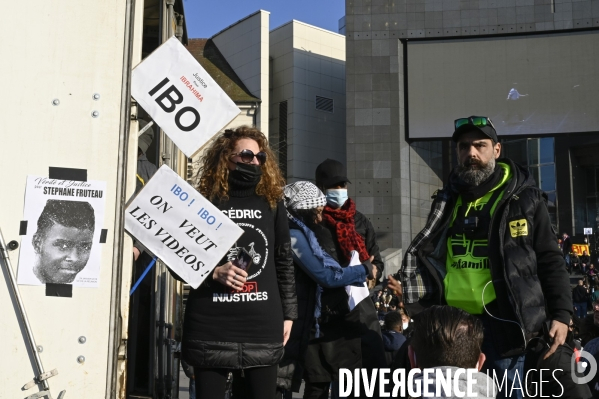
(225, 329)
(291, 368)
(365, 228)
(527, 268)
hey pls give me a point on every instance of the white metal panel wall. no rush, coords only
(68, 51)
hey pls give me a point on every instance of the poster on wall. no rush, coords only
(61, 243)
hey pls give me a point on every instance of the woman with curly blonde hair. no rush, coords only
(240, 318)
(215, 169)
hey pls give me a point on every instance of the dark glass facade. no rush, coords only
(538, 155)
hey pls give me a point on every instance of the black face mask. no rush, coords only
(247, 173)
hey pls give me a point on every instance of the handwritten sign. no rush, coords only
(180, 226)
(181, 96)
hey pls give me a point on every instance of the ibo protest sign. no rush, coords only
(181, 96)
(180, 226)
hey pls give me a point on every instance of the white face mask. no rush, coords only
(405, 325)
(336, 197)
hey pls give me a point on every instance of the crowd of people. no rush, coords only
(484, 285)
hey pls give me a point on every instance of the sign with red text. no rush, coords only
(180, 226)
(181, 96)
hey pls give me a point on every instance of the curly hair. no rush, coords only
(214, 171)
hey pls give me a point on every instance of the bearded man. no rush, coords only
(488, 248)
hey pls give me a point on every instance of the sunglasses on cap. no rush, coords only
(479, 121)
(247, 156)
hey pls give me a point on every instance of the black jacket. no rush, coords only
(586, 259)
(230, 330)
(567, 245)
(291, 367)
(366, 230)
(527, 268)
(580, 294)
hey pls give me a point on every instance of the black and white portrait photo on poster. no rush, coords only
(62, 240)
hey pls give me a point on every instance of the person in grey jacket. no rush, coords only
(446, 341)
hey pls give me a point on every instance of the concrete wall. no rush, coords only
(307, 62)
(245, 46)
(393, 180)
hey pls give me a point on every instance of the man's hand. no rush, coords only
(394, 285)
(374, 269)
(558, 333)
(230, 276)
(136, 253)
(287, 324)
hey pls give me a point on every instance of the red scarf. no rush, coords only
(345, 227)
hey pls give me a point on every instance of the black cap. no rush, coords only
(488, 131)
(330, 172)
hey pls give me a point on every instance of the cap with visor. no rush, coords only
(480, 124)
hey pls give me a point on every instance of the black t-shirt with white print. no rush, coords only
(255, 315)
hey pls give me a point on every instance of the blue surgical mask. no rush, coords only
(336, 197)
(405, 325)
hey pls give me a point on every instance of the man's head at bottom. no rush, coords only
(63, 240)
(446, 336)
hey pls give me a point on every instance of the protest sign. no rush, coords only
(180, 226)
(579, 248)
(64, 220)
(181, 96)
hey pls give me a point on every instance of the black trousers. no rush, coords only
(261, 382)
(317, 390)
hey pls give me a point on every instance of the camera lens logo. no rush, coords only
(583, 367)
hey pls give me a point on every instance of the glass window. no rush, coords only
(551, 198)
(516, 151)
(552, 207)
(547, 178)
(591, 212)
(533, 151)
(534, 171)
(546, 150)
(590, 181)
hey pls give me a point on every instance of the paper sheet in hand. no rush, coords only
(356, 294)
(181, 96)
(180, 226)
